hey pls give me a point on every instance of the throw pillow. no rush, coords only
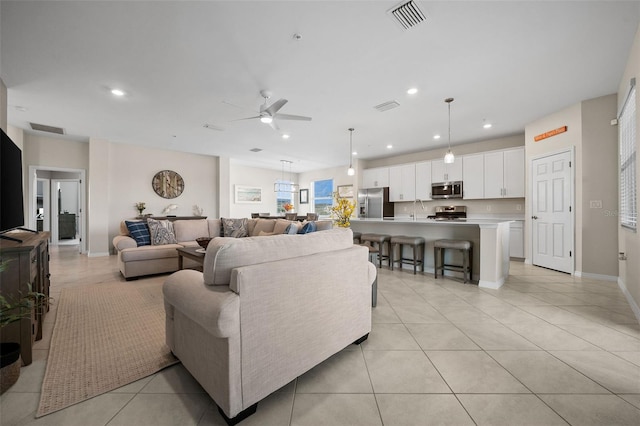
(264, 234)
(292, 229)
(161, 232)
(139, 232)
(308, 227)
(235, 228)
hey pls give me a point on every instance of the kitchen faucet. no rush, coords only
(414, 208)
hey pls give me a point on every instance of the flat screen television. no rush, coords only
(11, 196)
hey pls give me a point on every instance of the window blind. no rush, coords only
(627, 148)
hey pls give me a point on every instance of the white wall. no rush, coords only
(260, 178)
(131, 169)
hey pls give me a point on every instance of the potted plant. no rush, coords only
(342, 210)
(12, 310)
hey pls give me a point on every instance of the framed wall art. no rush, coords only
(345, 191)
(304, 196)
(248, 194)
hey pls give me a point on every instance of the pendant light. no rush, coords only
(351, 171)
(449, 157)
(286, 186)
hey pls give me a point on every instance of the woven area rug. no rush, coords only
(105, 336)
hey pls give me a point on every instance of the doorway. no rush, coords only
(552, 229)
(57, 204)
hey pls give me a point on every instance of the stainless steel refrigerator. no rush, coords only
(373, 203)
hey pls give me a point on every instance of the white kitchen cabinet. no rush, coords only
(402, 182)
(473, 177)
(441, 172)
(514, 173)
(377, 177)
(504, 174)
(516, 239)
(423, 180)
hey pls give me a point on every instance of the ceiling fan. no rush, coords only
(269, 113)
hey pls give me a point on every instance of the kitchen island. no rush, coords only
(490, 238)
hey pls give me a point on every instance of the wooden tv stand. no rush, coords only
(25, 263)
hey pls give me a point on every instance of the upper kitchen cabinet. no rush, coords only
(504, 174)
(441, 172)
(473, 177)
(375, 178)
(402, 182)
(423, 180)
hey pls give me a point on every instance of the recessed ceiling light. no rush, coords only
(354, 153)
(436, 137)
(412, 91)
(487, 125)
(389, 146)
(117, 92)
(285, 136)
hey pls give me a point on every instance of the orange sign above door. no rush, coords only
(550, 133)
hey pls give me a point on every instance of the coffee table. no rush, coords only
(190, 253)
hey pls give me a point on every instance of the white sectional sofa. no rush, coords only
(135, 261)
(266, 310)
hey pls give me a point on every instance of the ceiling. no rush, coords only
(186, 64)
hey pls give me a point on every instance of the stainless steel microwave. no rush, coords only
(445, 190)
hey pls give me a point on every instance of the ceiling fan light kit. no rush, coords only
(449, 158)
(268, 114)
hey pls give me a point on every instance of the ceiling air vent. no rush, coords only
(255, 149)
(408, 15)
(45, 128)
(385, 106)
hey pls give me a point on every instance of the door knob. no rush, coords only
(534, 217)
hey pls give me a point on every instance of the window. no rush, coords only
(323, 197)
(627, 141)
(283, 197)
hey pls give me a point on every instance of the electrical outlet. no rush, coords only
(595, 204)
(518, 207)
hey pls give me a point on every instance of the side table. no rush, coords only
(190, 253)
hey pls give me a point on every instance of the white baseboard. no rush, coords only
(490, 284)
(634, 306)
(527, 261)
(98, 254)
(598, 276)
(577, 274)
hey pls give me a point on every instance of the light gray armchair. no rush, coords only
(266, 310)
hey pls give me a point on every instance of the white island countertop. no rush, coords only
(423, 221)
(490, 239)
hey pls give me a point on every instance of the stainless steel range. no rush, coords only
(450, 213)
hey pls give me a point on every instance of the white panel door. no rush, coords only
(552, 228)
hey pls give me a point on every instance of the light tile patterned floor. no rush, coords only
(545, 349)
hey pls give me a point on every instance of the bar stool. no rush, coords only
(382, 241)
(356, 237)
(417, 245)
(466, 247)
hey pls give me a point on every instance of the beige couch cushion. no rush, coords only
(215, 228)
(189, 230)
(165, 251)
(281, 226)
(261, 225)
(224, 254)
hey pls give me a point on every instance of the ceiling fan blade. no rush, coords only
(274, 107)
(291, 117)
(274, 125)
(246, 118)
